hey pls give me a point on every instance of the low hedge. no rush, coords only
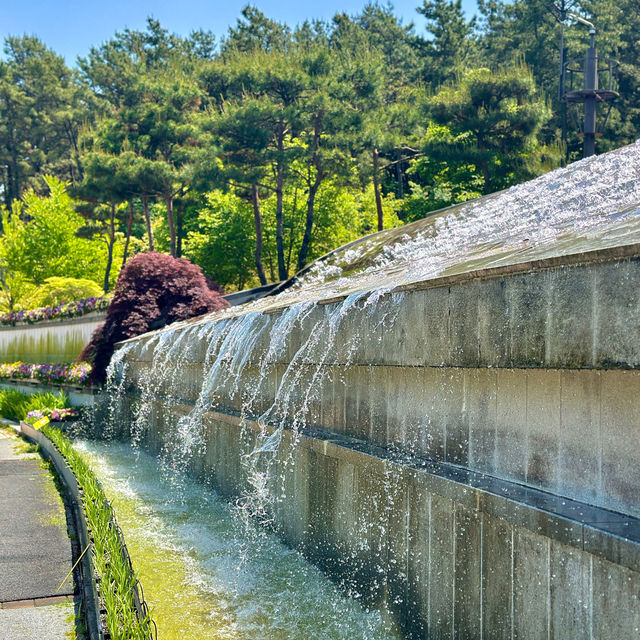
(118, 583)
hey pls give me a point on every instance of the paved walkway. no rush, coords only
(35, 550)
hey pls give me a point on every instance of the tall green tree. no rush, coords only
(451, 47)
(492, 118)
(42, 108)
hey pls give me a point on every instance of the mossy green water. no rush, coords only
(206, 574)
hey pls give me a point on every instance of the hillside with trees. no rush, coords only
(254, 155)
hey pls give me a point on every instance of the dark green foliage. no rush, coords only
(157, 131)
(490, 120)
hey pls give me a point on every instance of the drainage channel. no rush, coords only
(207, 572)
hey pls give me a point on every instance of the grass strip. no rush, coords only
(117, 582)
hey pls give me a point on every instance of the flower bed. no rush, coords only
(62, 311)
(76, 373)
(54, 415)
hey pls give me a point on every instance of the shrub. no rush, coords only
(77, 373)
(153, 290)
(13, 404)
(57, 290)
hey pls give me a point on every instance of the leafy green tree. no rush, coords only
(255, 32)
(452, 46)
(222, 240)
(42, 107)
(40, 239)
(264, 90)
(107, 186)
(493, 118)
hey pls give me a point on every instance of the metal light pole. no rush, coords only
(591, 93)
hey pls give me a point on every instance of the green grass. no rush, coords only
(117, 578)
(15, 405)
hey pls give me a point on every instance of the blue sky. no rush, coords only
(72, 27)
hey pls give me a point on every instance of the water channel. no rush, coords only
(207, 573)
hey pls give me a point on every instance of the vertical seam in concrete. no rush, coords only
(548, 544)
(478, 327)
(429, 564)
(408, 494)
(513, 582)
(549, 318)
(495, 421)
(590, 595)
(453, 583)
(526, 422)
(559, 451)
(481, 575)
(600, 443)
(511, 303)
(595, 320)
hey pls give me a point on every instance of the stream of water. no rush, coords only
(206, 574)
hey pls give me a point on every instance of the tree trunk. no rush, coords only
(179, 221)
(311, 199)
(308, 226)
(112, 240)
(172, 225)
(257, 217)
(376, 189)
(126, 242)
(12, 185)
(282, 269)
(484, 167)
(147, 218)
(399, 176)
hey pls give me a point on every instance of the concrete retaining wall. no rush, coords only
(450, 554)
(51, 341)
(469, 449)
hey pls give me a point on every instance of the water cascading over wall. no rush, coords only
(445, 417)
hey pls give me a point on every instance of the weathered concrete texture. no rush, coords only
(54, 622)
(564, 317)
(55, 341)
(571, 432)
(469, 445)
(447, 559)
